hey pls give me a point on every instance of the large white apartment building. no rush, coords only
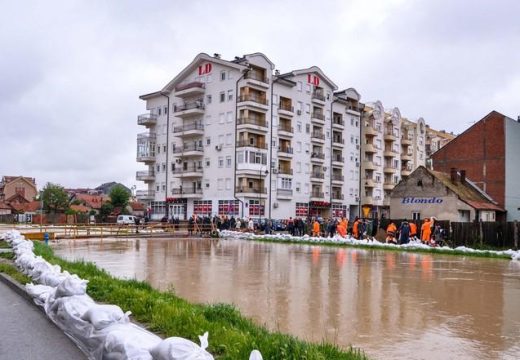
(237, 138)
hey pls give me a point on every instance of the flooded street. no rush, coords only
(392, 305)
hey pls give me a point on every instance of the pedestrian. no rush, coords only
(316, 228)
(238, 224)
(268, 226)
(331, 227)
(426, 231)
(290, 226)
(390, 233)
(251, 225)
(190, 226)
(413, 231)
(404, 232)
(355, 228)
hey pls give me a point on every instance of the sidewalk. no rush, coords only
(26, 333)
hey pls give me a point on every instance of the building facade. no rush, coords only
(488, 152)
(17, 186)
(239, 138)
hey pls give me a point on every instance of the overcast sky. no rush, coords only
(71, 72)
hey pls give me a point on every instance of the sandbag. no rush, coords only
(40, 293)
(175, 348)
(255, 355)
(101, 316)
(128, 341)
(71, 286)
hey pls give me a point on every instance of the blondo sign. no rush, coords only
(421, 200)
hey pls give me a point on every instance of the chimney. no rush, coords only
(518, 118)
(462, 176)
(453, 175)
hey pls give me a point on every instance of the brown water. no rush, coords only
(392, 305)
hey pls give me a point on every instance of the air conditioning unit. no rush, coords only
(275, 171)
(324, 168)
(275, 205)
(218, 147)
(297, 189)
(298, 112)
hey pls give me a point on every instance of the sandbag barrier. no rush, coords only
(368, 243)
(101, 331)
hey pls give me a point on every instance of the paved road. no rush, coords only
(26, 333)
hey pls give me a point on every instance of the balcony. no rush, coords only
(337, 196)
(369, 182)
(317, 176)
(406, 140)
(369, 131)
(189, 109)
(284, 194)
(147, 120)
(338, 142)
(257, 78)
(189, 172)
(285, 130)
(253, 192)
(189, 130)
(189, 150)
(337, 123)
(318, 97)
(286, 109)
(146, 176)
(190, 89)
(406, 157)
(405, 171)
(285, 171)
(369, 148)
(390, 169)
(338, 160)
(353, 109)
(389, 153)
(256, 145)
(187, 193)
(285, 151)
(388, 185)
(369, 165)
(318, 117)
(390, 136)
(318, 137)
(338, 178)
(317, 157)
(254, 101)
(145, 195)
(146, 156)
(317, 196)
(254, 123)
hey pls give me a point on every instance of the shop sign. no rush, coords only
(421, 200)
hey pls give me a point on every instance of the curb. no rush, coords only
(14, 285)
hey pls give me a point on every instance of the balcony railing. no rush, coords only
(247, 189)
(245, 143)
(285, 171)
(252, 121)
(194, 84)
(337, 177)
(318, 175)
(317, 194)
(146, 119)
(339, 141)
(318, 95)
(318, 115)
(317, 155)
(188, 127)
(187, 148)
(337, 196)
(338, 121)
(285, 149)
(338, 158)
(253, 98)
(186, 191)
(253, 75)
(189, 169)
(286, 128)
(284, 192)
(286, 107)
(147, 136)
(189, 106)
(145, 194)
(318, 135)
(145, 175)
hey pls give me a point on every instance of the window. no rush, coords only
(221, 118)
(230, 95)
(202, 207)
(163, 167)
(286, 183)
(220, 184)
(308, 88)
(228, 161)
(298, 187)
(163, 187)
(222, 96)
(230, 75)
(173, 166)
(299, 126)
(228, 207)
(221, 139)
(255, 208)
(229, 139)
(222, 75)
(157, 188)
(275, 99)
(299, 86)
(229, 116)
(159, 111)
(220, 161)
(416, 215)
(208, 99)
(306, 188)
(299, 146)
(207, 161)
(165, 110)
(308, 128)
(300, 106)
(208, 140)
(308, 108)
(158, 149)
(164, 148)
(228, 184)
(208, 119)
(240, 157)
(158, 168)
(298, 167)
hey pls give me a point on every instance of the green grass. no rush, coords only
(231, 336)
(13, 272)
(4, 245)
(7, 255)
(433, 250)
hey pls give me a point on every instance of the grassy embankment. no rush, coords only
(485, 253)
(231, 336)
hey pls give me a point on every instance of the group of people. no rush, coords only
(430, 233)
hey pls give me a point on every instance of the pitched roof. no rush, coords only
(93, 201)
(137, 206)
(80, 208)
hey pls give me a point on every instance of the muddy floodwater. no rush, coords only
(392, 305)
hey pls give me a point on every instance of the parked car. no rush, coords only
(126, 219)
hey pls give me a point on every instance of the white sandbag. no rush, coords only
(128, 341)
(72, 285)
(25, 261)
(40, 293)
(101, 316)
(175, 348)
(41, 266)
(255, 355)
(52, 279)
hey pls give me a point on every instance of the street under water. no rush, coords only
(392, 305)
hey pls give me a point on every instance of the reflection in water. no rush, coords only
(393, 305)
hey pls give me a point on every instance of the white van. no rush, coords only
(126, 219)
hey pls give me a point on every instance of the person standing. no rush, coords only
(390, 233)
(413, 230)
(404, 232)
(426, 231)
(251, 225)
(355, 228)
(316, 228)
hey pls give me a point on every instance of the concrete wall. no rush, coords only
(512, 169)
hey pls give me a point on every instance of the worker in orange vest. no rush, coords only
(355, 228)
(426, 231)
(390, 233)
(341, 229)
(413, 230)
(344, 222)
(316, 228)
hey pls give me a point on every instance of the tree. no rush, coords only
(105, 210)
(55, 198)
(119, 197)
